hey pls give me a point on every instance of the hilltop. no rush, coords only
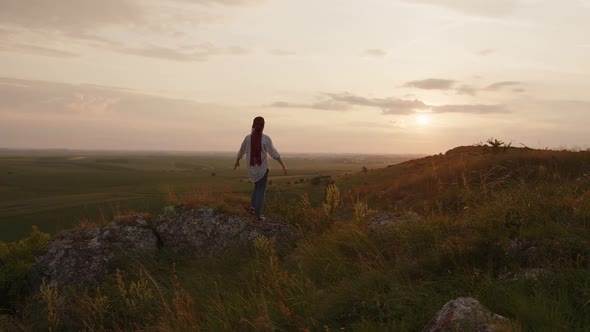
(446, 178)
(383, 249)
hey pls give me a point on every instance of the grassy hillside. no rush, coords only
(445, 181)
(509, 227)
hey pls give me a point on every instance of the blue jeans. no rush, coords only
(258, 194)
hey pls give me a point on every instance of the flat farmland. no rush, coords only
(55, 189)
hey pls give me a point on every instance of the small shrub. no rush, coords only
(361, 212)
(497, 145)
(332, 200)
(16, 259)
(169, 211)
(54, 302)
(262, 246)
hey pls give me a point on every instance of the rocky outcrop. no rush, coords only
(467, 315)
(84, 257)
(208, 232)
(522, 249)
(386, 220)
(534, 274)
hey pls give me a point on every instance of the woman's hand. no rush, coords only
(237, 164)
(282, 165)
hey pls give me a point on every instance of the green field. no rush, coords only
(54, 190)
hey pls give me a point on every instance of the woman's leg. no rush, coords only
(253, 201)
(258, 195)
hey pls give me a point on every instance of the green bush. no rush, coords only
(16, 259)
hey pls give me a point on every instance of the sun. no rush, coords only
(423, 119)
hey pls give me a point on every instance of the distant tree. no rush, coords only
(365, 170)
(213, 174)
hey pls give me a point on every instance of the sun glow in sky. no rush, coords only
(328, 76)
(423, 119)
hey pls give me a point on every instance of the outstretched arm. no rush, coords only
(240, 154)
(283, 165)
(275, 155)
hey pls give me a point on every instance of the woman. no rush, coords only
(256, 146)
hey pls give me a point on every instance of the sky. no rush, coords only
(342, 76)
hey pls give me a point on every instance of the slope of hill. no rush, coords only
(445, 179)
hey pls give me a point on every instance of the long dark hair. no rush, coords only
(256, 141)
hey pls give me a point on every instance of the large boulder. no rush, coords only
(207, 231)
(83, 257)
(465, 314)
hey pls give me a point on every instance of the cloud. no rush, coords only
(5, 32)
(325, 105)
(487, 51)
(50, 114)
(34, 26)
(386, 125)
(222, 2)
(431, 84)
(495, 8)
(42, 97)
(389, 106)
(466, 89)
(471, 108)
(73, 16)
(559, 107)
(500, 85)
(39, 97)
(69, 15)
(279, 52)
(463, 89)
(196, 53)
(377, 53)
(85, 15)
(39, 50)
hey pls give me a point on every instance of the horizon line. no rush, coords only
(199, 151)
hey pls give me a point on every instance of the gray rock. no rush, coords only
(519, 247)
(530, 274)
(534, 274)
(465, 314)
(83, 257)
(208, 231)
(386, 220)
